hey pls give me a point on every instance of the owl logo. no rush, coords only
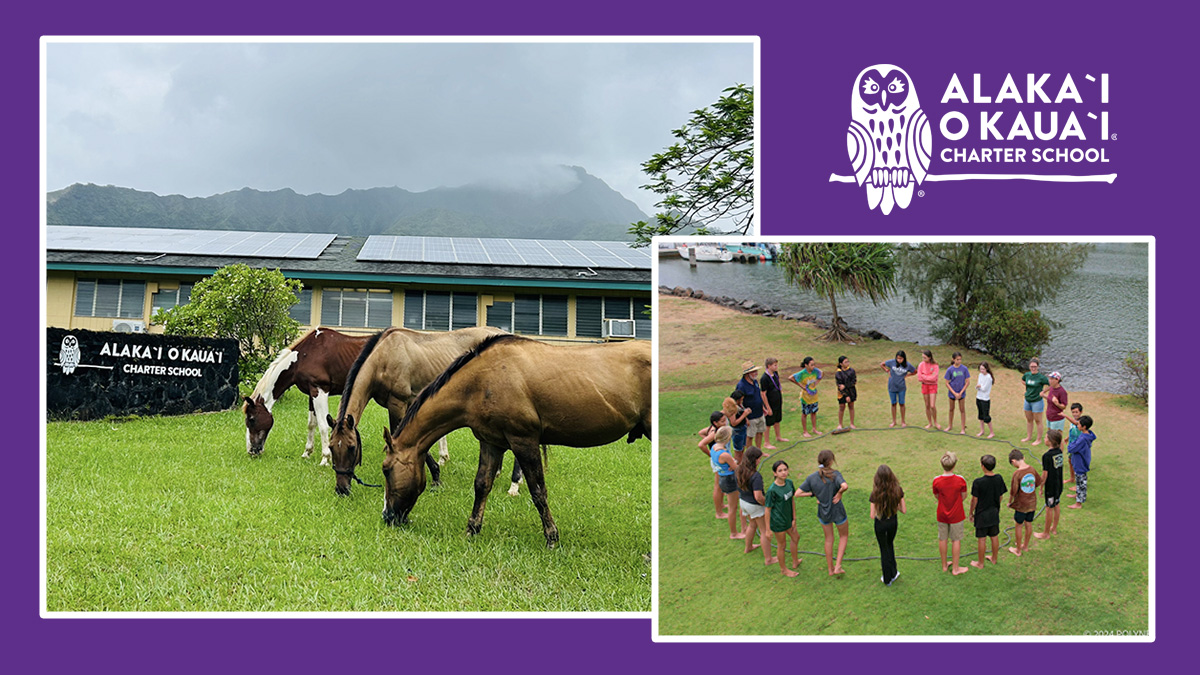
(889, 140)
(68, 354)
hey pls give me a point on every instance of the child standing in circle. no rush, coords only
(898, 369)
(807, 378)
(827, 485)
(887, 499)
(983, 399)
(957, 377)
(735, 417)
(927, 375)
(771, 389)
(847, 384)
(782, 517)
(753, 501)
(1052, 482)
(985, 509)
(708, 436)
(725, 465)
(1080, 450)
(1022, 499)
(949, 489)
(1056, 403)
(1035, 382)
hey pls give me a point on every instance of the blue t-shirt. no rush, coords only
(897, 373)
(753, 397)
(957, 377)
(1080, 450)
(721, 468)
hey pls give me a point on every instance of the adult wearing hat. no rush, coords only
(756, 401)
(1056, 402)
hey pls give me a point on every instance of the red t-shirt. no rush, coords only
(950, 491)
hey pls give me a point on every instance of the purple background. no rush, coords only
(809, 59)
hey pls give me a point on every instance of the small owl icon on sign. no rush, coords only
(889, 140)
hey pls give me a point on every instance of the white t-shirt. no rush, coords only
(983, 391)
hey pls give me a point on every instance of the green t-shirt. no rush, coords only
(779, 500)
(1033, 386)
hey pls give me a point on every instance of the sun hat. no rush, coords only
(748, 367)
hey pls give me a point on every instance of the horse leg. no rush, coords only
(312, 427)
(443, 451)
(435, 471)
(490, 458)
(516, 477)
(526, 453)
(320, 409)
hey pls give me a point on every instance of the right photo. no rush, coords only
(928, 438)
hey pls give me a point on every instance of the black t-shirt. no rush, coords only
(847, 378)
(756, 483)
(988, 490)
(1052, 464)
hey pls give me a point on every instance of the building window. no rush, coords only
(169, 299)
(590, 313)
(302, 310)
(500, 315)
(540, 314)
(356, 309)
(110, 298)
(589, 316)
(440, 310)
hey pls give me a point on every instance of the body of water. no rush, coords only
(1103, 310)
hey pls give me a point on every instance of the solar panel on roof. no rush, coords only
(509, 252)
(293, 245)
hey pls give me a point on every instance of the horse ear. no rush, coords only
(249, 401)
(350, 422)
(387, 436)
(330, 421)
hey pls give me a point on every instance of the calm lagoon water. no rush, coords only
(1104, 310)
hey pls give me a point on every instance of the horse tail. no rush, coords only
(352, 375)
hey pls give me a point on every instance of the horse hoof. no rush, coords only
(515, 490)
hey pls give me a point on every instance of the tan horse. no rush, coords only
(515, 393)
(394, 365)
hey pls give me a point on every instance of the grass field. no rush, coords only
(171, 514)
(1093, 576)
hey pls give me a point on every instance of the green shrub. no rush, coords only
(1012, 336)
(1136, 369)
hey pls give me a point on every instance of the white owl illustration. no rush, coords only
(889, 140)
(68, 354)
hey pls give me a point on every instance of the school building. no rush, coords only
(104, 279)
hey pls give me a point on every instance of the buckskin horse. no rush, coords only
(317, 365)
(519, 394)
(393, 366)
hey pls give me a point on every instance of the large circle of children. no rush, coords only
(738, 435)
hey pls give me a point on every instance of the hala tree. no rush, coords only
(706, 179)
(833, 269)
(247, 304)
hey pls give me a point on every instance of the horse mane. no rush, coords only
(434, 387)
(280, 363)
(352, 376)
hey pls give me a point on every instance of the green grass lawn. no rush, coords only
(171, 514)
(1093, 576)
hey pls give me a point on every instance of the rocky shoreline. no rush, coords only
(754, 308)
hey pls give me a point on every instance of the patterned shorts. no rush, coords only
(808, 408)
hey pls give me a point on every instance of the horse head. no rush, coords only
(258, 423)
(346, 447)
(403, 478)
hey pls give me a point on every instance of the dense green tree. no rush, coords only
(863, 269)
(706, 178)
(245, 303)
(968, 285)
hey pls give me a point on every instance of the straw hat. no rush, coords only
(748, 367)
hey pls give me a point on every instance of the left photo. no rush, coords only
(381, 342)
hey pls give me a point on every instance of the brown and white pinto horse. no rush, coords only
(392, 367)
(317, 365)
(519, 394)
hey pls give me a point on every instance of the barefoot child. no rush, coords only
(708, 436)
(1056, 402)
(750, 490)
(957, 377)
(1052, 482)
(898, 369)
(782, 517)
(725, 465)
(807, 379)
(985, 509)
(1072, 434)
(887, 499)
(1022, 499)
(847, 384)
(827, 485)
(927, 375)
(983, 399)
(1080, 450)
(771, 389)
(949, 489)
(735, 417)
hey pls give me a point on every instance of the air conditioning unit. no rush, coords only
(620, 329)
(128, 326)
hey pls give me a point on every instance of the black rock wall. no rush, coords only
(91, 375)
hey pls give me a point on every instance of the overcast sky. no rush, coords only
(201, 119)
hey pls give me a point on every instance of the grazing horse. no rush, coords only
(515, 393)
(317, 365)
(393, 366)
